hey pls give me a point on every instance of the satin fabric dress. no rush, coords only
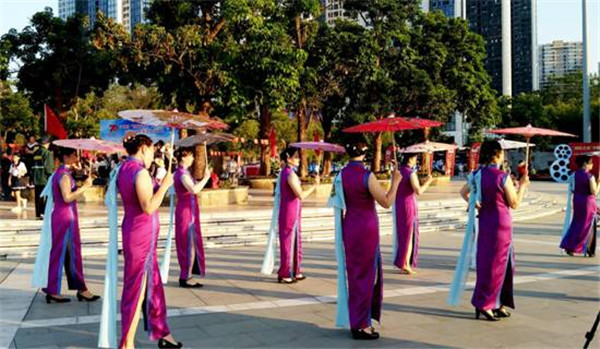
(66, 241)
(142, 285)
(495, 250)
(290, 241)
(187, 229)
(361, 245)
(407, 221)
(579, 238)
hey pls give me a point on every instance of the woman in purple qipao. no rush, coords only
(188, 235)
(66, 240)
(406, 215)
(360, 274)
(495, 250)
(579, 235)
(143, 291)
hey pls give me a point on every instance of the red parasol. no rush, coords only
(393, 124)
(528, 132)
(90, 144)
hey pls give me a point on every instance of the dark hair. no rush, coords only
(406, 157)
(183, 152)
(489, 149)
(287, 153)
(582, 160)
(159, 143)
(356, 147)
(61, 152)
(132, 144)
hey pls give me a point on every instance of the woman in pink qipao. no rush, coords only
(143, 291)
(188, 235)
(66, 241)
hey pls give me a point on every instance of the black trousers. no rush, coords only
(40, 203)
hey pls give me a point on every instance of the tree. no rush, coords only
(57, 62)
(264, 65)
(15, 112)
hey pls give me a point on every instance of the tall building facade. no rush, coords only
(485, 18)
(559, 58)
(127, 12)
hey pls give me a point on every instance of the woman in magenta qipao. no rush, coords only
(66, 241)
(290, 213)
(580, 237)
(188, 236)
(495, 252)
(407, 215)
(360, 229)
(142, 286)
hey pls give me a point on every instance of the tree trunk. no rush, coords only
(327, 164)
(377, 152)
(265, 129)
(302, 126)
(200, 161)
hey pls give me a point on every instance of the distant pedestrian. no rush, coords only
(43, 167)
(17, 172)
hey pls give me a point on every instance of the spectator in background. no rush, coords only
(214, 179)
(5, 163)
(43, 167)
(17, 171)
(30, 149)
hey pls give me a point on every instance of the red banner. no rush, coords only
(450, 161)
(52, 124)
(474, 156)
(582, 148)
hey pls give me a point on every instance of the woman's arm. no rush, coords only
(515, 197)
(195, 189)
(68, 194)
(150, 201)
(294, 183)
(594, 185)
(385, 199)
(465, 192)
(416, 185)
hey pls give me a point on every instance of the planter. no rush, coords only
(323, 190)
(440, 180)
(262, 183)
(94, 194)
(223, 197)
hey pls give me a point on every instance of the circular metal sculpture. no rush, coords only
(559, 170)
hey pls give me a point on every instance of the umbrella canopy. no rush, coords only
(167, 118)
(322, 146)
(530, 131)
(507, 145)
(392, 125)
(428, 147)
(202, 138)
(90, 144)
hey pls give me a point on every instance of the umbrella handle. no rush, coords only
(171, 148)
(527, 157)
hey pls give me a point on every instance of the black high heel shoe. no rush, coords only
(500, 312)
(81, 298)
(362, 335)
(286, 280)
(183, 283)
(488, 316)
(50, 298)
(163, 343)
(300, 277)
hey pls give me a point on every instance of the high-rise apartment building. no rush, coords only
(559, 58)
(127, 12)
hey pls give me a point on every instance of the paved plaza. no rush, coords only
(557, 299)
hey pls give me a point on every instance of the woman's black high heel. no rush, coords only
(361, 334)
(488, 316)
(163, 343)
(50, 299)
(183, 283)
(501, 312)
(81, 298)
(286, 281)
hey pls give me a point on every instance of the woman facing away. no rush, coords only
(406, 219)
(143, 291)
(66, 240)
(188, 235)
(356, 190)
(579, 237)
(495, 251)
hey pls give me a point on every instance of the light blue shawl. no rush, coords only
(39, 278)
(269, 259)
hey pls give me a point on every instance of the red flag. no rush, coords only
(273, 142)
(52, 124)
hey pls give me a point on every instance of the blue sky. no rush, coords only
(557, 20)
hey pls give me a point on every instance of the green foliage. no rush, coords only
(15, 113)
(58, 64)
